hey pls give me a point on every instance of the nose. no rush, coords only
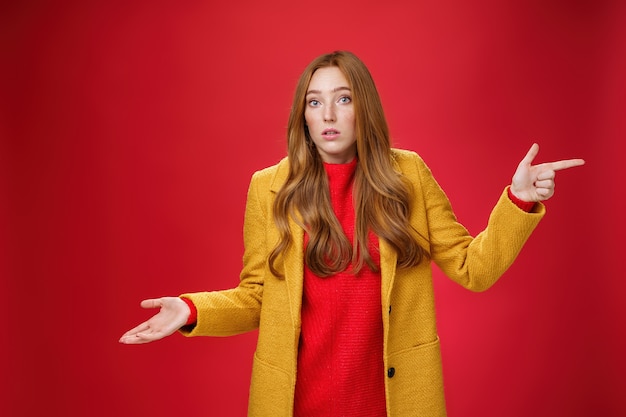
(329, 113)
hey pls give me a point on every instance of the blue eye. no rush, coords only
(345, 99)
(314, 102)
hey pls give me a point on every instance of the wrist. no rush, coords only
(527, 206)
(193, 312)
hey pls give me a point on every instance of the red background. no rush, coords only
(130, 131)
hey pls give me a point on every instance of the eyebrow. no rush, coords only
(334, 90)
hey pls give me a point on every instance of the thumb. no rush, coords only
(152, 303)
(530, 155)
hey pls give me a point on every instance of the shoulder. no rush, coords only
(407, 161)
(272, 176)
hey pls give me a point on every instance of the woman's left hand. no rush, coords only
(536, 182)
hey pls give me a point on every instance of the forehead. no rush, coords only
(327, 79)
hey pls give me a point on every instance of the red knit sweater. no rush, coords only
(340, 362)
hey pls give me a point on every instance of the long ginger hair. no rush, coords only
(381, 195)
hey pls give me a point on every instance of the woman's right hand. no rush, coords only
(173, 315)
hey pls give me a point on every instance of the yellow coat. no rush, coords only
(414, 383)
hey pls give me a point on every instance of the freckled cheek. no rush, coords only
(349, 118)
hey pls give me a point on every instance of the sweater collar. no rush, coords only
(340, 175)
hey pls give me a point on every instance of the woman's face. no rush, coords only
(329, 115)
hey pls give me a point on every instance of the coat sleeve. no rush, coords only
(477, 262)
(237, 310)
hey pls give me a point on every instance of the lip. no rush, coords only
(330, 134)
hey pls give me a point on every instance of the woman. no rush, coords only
(339, 238)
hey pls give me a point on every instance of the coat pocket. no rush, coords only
(271, 390)
(415, 382)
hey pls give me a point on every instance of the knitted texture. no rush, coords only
(340, 361)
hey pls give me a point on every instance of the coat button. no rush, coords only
(391, 372)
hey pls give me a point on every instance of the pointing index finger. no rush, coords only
(564, 164)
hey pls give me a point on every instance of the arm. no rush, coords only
(217, 313)
(237, 310)
(477, 263)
